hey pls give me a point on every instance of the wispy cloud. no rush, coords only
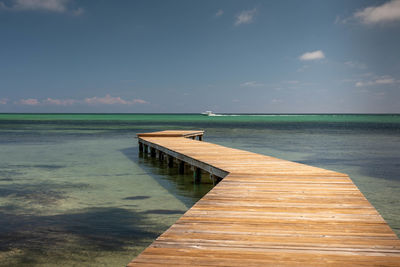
(29, 102)
(59, 102)
(383, 80)
(359, 84)
(352, 80)
(245, 17)
(57, 6)
(109, 100)
(251, 84)
(219, 13)
(140, 101)
(292, 82)
(106, 100)
(387, 80)
(387, 12)
(303, 68)
(276, 101)
(3, 101)
(314, 55)
(355, 65)
(47, 101)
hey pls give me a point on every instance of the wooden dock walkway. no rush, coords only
(267, 212)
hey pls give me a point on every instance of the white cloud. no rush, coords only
(57, 6)
(245, 17)
(251, 84)
(219, 13)
(387, 12)
(29, 102)
(315, 55)
(3, 101)
(383, 80)
(139, 101)
(60, 102)
(359, 84)
(386, 80)
(47, 101)
(106, 100)
(109, 100)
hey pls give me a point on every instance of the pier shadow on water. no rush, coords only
(182, 186)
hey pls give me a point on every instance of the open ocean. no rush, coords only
(74, 190)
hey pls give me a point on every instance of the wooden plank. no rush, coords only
(171, 133)
(268, 212)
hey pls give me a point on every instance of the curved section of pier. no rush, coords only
(266, 212)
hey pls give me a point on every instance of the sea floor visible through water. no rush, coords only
(74, 191)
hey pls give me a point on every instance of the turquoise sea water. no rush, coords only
(74, 190)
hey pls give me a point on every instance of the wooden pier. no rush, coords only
(266, 212)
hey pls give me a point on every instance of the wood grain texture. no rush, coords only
(269, 212)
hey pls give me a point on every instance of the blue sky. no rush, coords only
(191, 56)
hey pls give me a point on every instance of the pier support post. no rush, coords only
(170, 161)
(181, 167)
(215, 179)
(146, 148)
(152, 152)
(212, 178)
(140, 147)
(197, 175)
(200, 138)
(160, 156)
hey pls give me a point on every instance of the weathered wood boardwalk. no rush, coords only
(268, 212)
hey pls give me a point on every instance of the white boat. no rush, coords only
(208, 113)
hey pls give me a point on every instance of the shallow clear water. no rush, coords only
(75, 191)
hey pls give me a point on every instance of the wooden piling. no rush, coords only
(181, 166)
(197, 175)
(170, 161)
(140, 146)
(160, 155)
(152, 152)
(215, 179)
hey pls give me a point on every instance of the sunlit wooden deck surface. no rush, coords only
(270, 212)
(172, 133)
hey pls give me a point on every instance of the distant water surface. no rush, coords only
(75, 192)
